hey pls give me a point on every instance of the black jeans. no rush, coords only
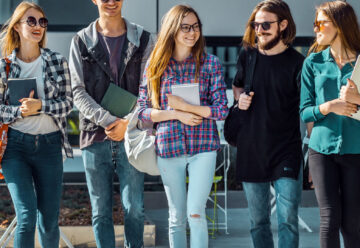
(337, 187)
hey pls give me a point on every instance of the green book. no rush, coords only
(118, 101)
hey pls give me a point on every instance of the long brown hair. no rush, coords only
(10, 38)
(164, 47)
(345, 21)
(282, 11)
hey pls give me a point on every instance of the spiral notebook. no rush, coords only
(355, 76)
(189, 92)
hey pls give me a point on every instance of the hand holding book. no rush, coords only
(30, 105)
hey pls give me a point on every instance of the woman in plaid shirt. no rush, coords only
(186, 135)
(32, 163)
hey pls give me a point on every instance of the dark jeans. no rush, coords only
(337, 187)
(101, 161)
(33, 169)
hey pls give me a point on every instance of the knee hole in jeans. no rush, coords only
(195, 216)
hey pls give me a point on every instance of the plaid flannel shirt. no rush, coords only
(58, 101)
(174, 138)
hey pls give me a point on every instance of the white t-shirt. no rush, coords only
(39, 124)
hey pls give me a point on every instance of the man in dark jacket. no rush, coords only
(109, 50)
(268, 143)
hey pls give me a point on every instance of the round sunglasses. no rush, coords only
(320, 24)
(32, 22)
(264, 25)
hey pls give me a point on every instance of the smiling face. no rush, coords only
(326, 32)
(188, 39)
(269, 38)
(27, 33)
(111, 8)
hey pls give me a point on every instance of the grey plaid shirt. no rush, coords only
(58, 101)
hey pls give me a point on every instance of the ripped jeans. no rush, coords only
(190, 206)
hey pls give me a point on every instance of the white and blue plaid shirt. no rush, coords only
(58, 101)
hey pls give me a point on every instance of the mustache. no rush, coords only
(263, 34)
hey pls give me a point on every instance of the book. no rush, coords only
(19, 88)
(355, 76)
(117, 101)
(188, 92)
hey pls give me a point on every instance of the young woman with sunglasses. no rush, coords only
(329, 98)
(33, 162)
(186, 135)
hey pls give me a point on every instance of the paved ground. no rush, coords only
(239, 236)
(238, 228)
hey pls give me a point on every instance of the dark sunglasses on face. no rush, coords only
(264, 25)
(186, 28)
(106, 1)
(320, 24)
(32, 22)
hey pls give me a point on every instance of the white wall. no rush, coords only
(220, 18)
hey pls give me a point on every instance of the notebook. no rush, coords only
(19, 88)
(118, 101)
(355, 76)
(188, 92)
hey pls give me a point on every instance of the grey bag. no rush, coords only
(140, 145)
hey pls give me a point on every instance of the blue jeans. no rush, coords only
(201, 169)
(33, 169)
(288, 197)
(101, 161)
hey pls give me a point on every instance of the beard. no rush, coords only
(271, 43)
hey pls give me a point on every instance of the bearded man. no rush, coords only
(268, 142)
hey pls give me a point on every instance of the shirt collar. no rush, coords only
(327, 55)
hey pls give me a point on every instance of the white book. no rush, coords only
(355, 76)
(188, 92)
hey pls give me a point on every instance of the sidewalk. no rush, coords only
(239, 235)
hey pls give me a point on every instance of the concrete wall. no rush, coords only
(220, 18)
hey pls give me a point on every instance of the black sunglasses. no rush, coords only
(32, 22)
(265, 25)
(106, 1)
(186, 28)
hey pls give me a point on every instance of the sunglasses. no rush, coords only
(264, 25)
(32, 22)
(320, 25)
(106, 1)
(186, 28)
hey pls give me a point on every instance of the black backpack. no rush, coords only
(236, 116)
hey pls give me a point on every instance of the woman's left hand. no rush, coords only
(30, 106)
(176, 102)
(350, 93)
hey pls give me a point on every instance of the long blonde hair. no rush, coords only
(164, 47)
(10, 38)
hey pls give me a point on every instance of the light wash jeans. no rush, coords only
(288, 197)
(182, 207)
(33, 170)
(101, 161)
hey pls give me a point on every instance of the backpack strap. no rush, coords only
(250, 65)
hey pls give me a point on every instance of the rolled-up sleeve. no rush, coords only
(309, 111)
(144, 101)
(218, 100)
